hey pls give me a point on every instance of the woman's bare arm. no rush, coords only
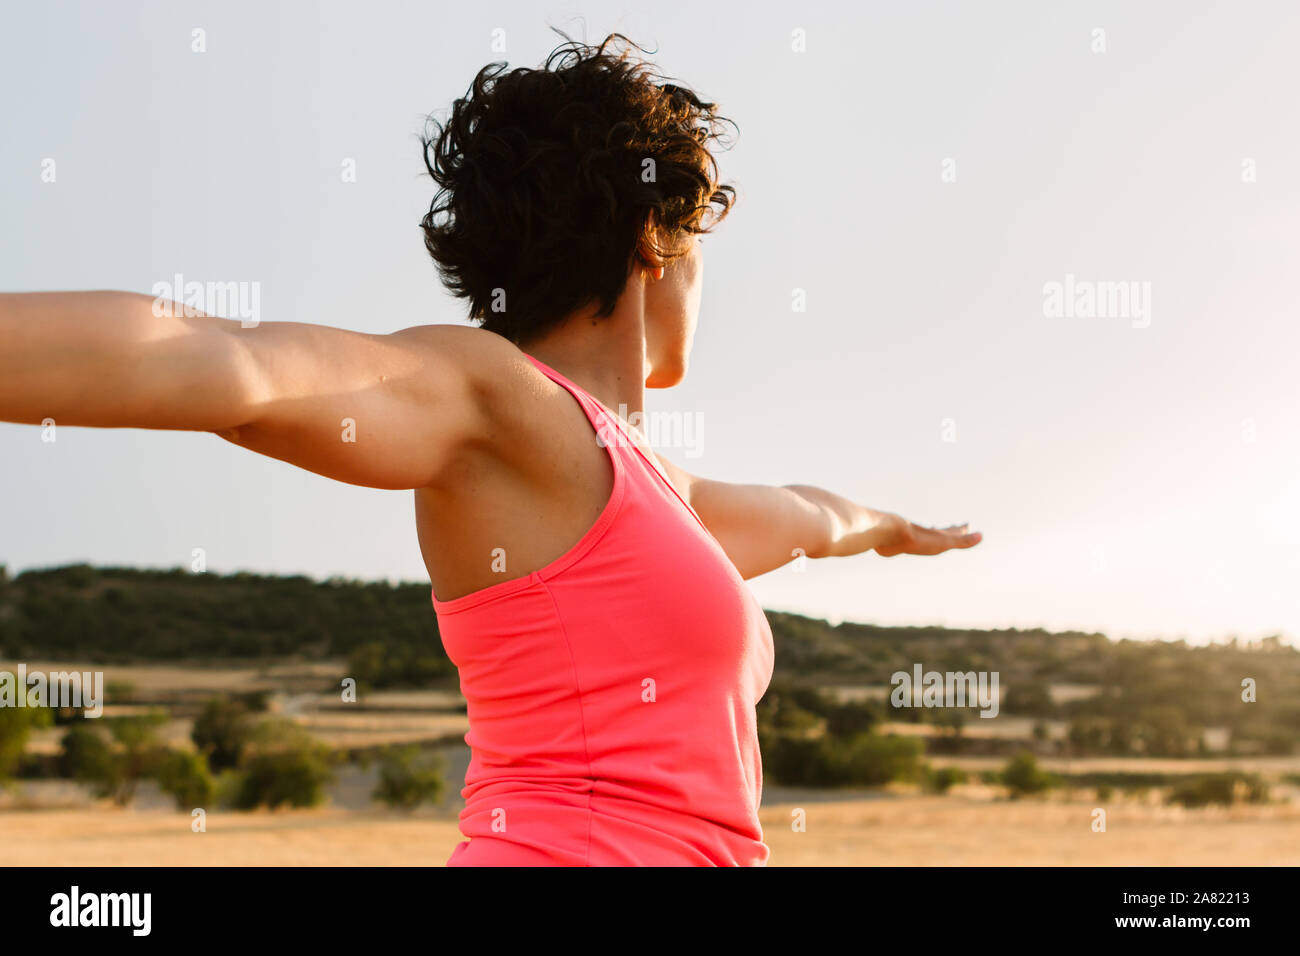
(763, 527)
(385, 411)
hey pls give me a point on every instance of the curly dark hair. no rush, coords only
(555, 182)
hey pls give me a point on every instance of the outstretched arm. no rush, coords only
(282, 389)
(762, 527)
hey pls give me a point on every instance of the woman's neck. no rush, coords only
(606, 356)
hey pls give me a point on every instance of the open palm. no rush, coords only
(918, 539)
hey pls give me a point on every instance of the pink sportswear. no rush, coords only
(611, 694)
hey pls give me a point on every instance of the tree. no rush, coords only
(408, 777)
(222, 731)
(791, 708)
(851, 717)
(1023, 776)
(16, 726)
(1165, 732)
(137, 739)
(185, 776)
(87, 756)
(115, 765)
(1221, 788)
(283, 764)
(877, 759)
(1090, 735)
(1031, 697)
(941, 779)
(368, 664)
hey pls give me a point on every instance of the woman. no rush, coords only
(589, 592)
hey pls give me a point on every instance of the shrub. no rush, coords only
(792, 708)
(942, 779)
(16, 726)
(794, 760)
(865, 759)
(408, 777)
(380, 664)
(185, 776)
(283, 764)
(1223, 789)
(1023, 776)
(86, 756)
(113, 765)
(222, 731)
(851, 718)
(138, 751)
(876, 759)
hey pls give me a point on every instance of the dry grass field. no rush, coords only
(956, 831)
(56, 822)
(893, 831)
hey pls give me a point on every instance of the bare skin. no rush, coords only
(498, 455)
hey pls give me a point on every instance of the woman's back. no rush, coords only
(515, 504)
(611, 693)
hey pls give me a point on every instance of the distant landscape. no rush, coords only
(226, 693)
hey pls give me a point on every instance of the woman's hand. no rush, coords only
(909, 538)
(762, 527)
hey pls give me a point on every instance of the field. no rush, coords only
(51, 821)
(897, 831)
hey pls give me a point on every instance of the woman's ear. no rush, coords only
(652, 264)
(652, 259)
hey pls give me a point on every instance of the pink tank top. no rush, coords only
(611, 694)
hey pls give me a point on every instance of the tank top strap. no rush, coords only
(608, 430)
(613, 434)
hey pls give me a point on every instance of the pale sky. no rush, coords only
(1140, 481)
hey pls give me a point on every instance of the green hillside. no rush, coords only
(1149, 697)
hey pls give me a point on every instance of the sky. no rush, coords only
(920, 186)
